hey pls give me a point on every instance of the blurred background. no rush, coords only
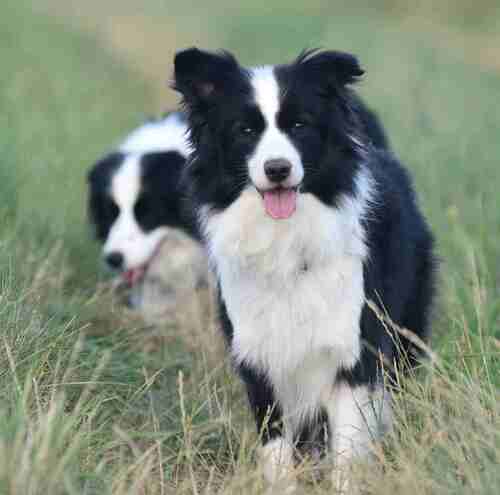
(147, 33)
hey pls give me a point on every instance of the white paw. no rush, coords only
(276, 459)
(340, 481)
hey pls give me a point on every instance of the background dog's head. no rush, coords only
(135, 196)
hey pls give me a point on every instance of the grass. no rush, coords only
(94, 402)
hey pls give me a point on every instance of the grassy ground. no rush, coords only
(90, 400)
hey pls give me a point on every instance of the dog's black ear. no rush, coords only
(330, 69)
(104, 167)
(202, 76)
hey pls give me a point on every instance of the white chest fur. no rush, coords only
(293, 290)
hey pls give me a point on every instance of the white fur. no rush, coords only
(276, 459)
(273, 143)
(358, 417)
(166, 134)
(125, 235)
(298, 325)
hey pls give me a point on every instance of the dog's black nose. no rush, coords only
(277, 170)
(115, 260)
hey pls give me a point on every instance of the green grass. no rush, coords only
(92, 401)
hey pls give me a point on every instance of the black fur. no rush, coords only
(399, 276)
(102, 211)
(162, 201)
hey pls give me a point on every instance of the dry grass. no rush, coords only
(53, 440)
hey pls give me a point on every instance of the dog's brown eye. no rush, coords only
(142, 208)
(298, 124)
(247, 130)
(244, 128)
(112, 209)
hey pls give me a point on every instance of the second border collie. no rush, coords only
(136, 202)
(305, 216)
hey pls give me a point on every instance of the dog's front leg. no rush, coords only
(276, 456)
(357, 416)
(277, 462)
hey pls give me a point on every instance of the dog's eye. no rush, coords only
(299, 124)
(244, 129)
(142, 208)
(247, 130)
(112, 209)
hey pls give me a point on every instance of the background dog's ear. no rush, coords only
(104, 168)
(201, 76)
(329, 68)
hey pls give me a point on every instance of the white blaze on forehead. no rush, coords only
(126, 183)
(273, 143)
(266, 92)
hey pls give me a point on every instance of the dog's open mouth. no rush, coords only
(280, 203)
(133, 276)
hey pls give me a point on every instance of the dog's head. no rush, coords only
(134, 197)
(280, 129)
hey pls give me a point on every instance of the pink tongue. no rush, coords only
(132, 276)
(280, 203)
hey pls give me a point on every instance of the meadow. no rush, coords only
(94, 402)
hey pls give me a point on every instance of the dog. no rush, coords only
(138, 209)
(307, 216)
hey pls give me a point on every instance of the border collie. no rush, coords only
(135, 198)
(306, 216)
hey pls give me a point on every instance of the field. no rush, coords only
(94, 402)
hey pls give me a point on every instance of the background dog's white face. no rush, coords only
(128, 240)
(135, 196)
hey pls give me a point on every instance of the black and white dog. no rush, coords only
(306, 215)
(135, 195)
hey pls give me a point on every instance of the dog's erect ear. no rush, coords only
(203, 76)
(330, 69)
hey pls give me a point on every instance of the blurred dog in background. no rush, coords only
(140, 216)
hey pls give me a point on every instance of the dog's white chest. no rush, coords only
(293, 290)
